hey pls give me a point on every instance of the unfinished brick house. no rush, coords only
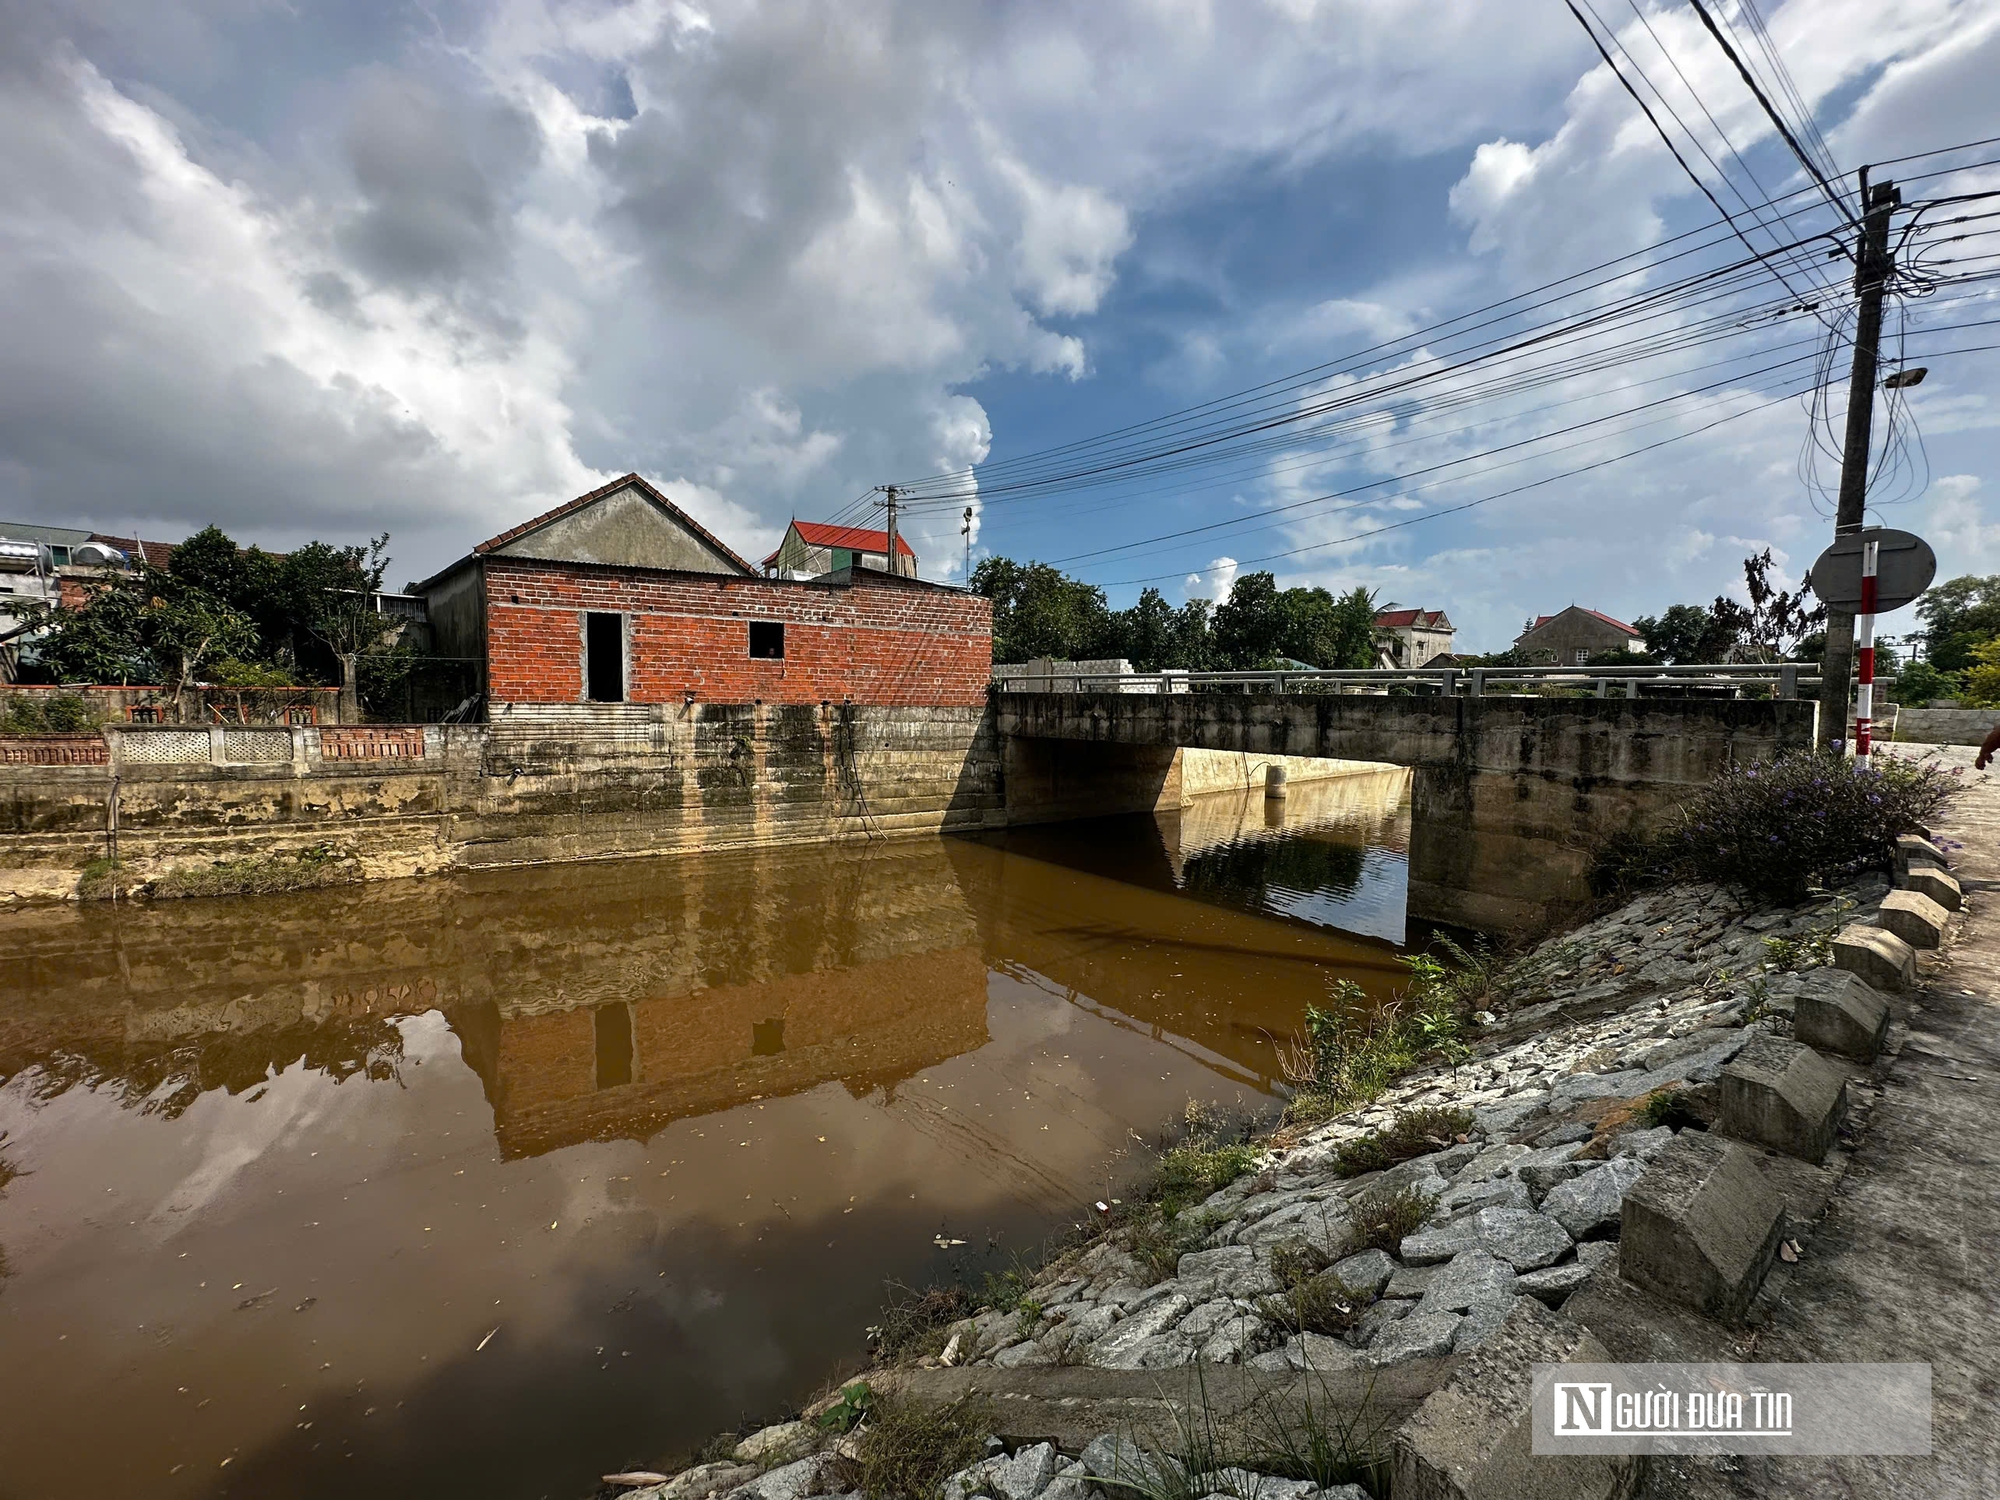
(620, 596)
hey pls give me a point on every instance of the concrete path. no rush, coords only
(1906, 1264)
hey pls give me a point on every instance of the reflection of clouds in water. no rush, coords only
(237, 1133)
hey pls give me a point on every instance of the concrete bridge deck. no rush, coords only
(1510, 796)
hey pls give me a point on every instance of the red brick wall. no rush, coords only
(371, 744)
(874, 642)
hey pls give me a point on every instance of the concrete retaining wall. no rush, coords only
(547, 784)
(1944, 726)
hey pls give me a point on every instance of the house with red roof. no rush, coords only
(812, 549)
(1411, 637)
(1572, 637)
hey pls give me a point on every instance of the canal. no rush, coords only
(484, 1184)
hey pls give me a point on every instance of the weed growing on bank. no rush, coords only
(1383, 1219)
(1310, 1299)
(907, 1449)
(1777, 828)
(1352, 1052)
(253, 875)
(916, 1320)
(1413, 1133)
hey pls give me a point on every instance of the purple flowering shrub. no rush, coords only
(1776, 828)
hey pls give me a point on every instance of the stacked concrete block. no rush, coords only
(1702, 1226)
(1916, 919)
(1841, 1013)
(1473, 1439)
(1912, 850)
(1939, 885)
(1877, 955)
(1784, 1095)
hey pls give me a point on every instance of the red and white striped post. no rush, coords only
(1864, 642)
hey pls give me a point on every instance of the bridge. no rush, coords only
(1511, 794)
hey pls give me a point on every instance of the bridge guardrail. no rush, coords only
(1782, 679)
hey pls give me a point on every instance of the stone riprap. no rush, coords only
(1564, 1173)
(1682, 982)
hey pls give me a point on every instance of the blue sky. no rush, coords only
(328, 270)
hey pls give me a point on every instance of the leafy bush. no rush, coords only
(1776, 827)
(1349, 1055)
(48, 713)
(234, 672)
(1919, 682)
(1982, 678)
(1670, 1106)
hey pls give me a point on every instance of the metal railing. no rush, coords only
(1778, 679)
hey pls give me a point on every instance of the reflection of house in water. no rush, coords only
(628, 1068)
(589, 1008)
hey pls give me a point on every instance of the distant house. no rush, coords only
(812, 549)
(1573, 636)
(51, 564)
(1411, 637)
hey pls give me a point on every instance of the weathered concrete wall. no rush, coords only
(1203, 771)
(1509, 797)
(542, 783)
(1942, 726)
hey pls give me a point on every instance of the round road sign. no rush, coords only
(1904, 568)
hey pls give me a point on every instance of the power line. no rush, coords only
(1784, 130)
(1468, 505)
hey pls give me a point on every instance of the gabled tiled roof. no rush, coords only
(853, 538)
(632, 481)
(1595, 614)
(1395, 619)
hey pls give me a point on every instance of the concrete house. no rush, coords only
(620, 596)
(1411, 637)
(812, 549)
(1573, 636)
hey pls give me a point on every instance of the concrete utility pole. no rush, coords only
(1873, 264)
(965, 531)
(890, 562)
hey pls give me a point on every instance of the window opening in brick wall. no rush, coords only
(767, 640)
(604, 658)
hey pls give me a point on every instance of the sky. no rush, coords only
(326, 270)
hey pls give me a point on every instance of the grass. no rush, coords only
(1384, 1218)
(1207, 1158)
(1302, 1435)
(261, 874)
(908, 1449)
(103, 879)
(1413, 1133)
(1312, 1299)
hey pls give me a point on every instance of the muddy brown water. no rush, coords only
(487, 1185)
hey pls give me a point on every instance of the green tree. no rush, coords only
(1040, 611)
(140, 625)
(1688, 633)
(1958, 616)
(1252, 627)
(247, 579)
(332, 589)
